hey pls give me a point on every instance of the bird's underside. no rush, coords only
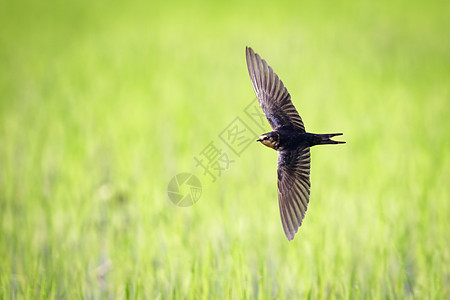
(290, 140)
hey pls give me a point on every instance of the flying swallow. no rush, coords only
(289, 138)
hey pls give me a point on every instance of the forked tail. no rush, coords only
(324, 139)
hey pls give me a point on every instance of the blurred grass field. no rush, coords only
(101, 104)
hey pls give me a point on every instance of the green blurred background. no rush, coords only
(102, 103)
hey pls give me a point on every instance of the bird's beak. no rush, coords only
(258, 140)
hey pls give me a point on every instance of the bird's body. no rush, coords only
(289, 138)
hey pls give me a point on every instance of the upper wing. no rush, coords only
(271, 93)
(293, 188)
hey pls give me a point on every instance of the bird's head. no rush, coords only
(270, 140)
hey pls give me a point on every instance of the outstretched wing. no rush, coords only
(293, 188)
(271, 93)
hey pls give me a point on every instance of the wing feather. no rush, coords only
(293, 188)
(272, 95)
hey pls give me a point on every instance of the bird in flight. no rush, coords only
(289, 139)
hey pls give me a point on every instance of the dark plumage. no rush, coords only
(290, 140)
